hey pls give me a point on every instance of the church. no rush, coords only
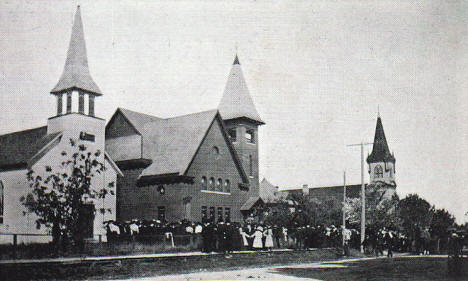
(195, 166)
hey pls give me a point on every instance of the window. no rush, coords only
(1, 201)
(250, 165)
(204, 212)
(219, 185)
(220, 214)
(162, 213)
(250, 136)
(227, 186)
(227, 214)
(232, 134)
(212, 213)
(91, 105)
(69, 102)
(204, 183)
(81, 103)
(212, 184)
(215, 152)
(87, 137)
(378, 171)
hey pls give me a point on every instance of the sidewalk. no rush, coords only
(72, 260)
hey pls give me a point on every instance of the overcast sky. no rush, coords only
(317, 72)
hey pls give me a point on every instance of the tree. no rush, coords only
(58, 195)
(415, 214)
(441, 221)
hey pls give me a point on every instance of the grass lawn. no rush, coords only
(160, 266)
(424, 268)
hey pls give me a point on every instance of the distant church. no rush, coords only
(195, 166)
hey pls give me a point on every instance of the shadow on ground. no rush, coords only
(380, 269)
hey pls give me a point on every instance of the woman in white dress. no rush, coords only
(269, 238)
(258, 234)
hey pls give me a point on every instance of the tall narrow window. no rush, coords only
(91, 105)
(204, 183)
(378, 171)
(250, 165)
(227, 214)
(212, 184)
(81, 102)
(250, 136)
(212, 214)
(1, 202)
(204, 212)
(219, 185)
(69, 102)
(232, 134)
(220, 214)
(162, 213)
(59, 104)
(227, 186)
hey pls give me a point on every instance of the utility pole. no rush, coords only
(344, 204)
(363, 195)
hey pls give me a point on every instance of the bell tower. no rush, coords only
(381, 161)
(242, 122)
(75, 93)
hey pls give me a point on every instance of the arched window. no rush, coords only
(204, 183)
(212, 183)
(219, 185)
(1, 202)
(227, 186)
(378, 171)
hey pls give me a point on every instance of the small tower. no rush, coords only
(75, 93)
(242, 121)
(381, 161)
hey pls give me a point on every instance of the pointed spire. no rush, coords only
(236, 101)
(380, 151)
(76, 72)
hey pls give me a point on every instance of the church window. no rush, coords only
(227, 214)
(227, 186)
(212, 183)
(91, 106)
(81, 103)
(219, 185)
(204, 212)
(204, 183)
(59, 104)
(232, 134)
(220, 214)
(215, 152)
(1, 202)
(378, 171)
(162, 213)
(69, 102)
(250, 136)
(212, 213)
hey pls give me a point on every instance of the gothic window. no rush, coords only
(212, 184)
(162, 213)
(378, 171)
(250, 136)
(204, 183)
(81, 103)
(232, 134)
(212, 213)
(69, 102)
(215, 152)
(204, 212)
(227, 214)
(220, 214)
(227, 186)
(1, 201)
(219, 185)
(91, 105)
(250, 165)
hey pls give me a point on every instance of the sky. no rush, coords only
(318, 72)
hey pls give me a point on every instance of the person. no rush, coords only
(388, 242)
(258, 235)
(268, 238)
(249, 230)
(277, 235)
(346, 237)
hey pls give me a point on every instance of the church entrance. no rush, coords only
(86, 220)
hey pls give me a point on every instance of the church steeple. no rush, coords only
(76, 79)
(236, 101)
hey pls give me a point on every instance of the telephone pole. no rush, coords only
(363, 195)
(344, 204)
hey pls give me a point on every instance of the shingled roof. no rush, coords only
(17, 149)
(236, 101)
(76, 71)
(380, 150)
(172, 143)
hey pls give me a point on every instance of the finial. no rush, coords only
(378, 111)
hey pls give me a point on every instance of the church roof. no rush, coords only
(380, 150)
(236, 101)
(17, 149)
(76, 71)
(268, 192)
(172, 143)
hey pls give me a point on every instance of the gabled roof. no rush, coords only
(267, 191)
(251, 202)
(16, 149)
(172, 143)
(380, 150)
(236, 101)
(76, 74)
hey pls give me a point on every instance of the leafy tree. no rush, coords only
(415, 214)
(441, 221)
(58, 195)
